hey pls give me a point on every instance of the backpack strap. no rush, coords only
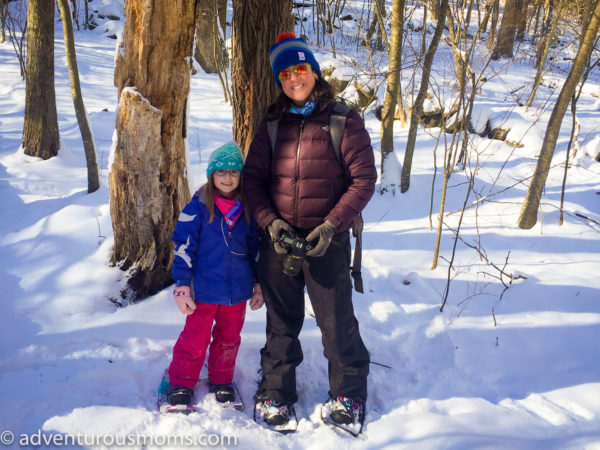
(272, 129)
(357, 228)
(337, 123)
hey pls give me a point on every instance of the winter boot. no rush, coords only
(180, 395)
(346, 410)
(223, 392)
(275, 413)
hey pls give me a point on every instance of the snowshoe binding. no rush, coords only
(279, 417)
(184, 400)
(344, 413)
(223, 392)
(174, 398)
(180, 395)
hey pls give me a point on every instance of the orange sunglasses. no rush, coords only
(298, 69)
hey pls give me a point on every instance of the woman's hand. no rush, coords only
(184, 300)
(257, 298)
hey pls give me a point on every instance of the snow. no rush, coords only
(515, 367)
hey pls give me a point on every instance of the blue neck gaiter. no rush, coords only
(305, 110)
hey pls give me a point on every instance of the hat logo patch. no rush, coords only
(301, 56)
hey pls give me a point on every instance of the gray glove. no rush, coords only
(325, 233)
(274, 229)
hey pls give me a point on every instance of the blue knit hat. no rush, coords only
(288, 51)
(227, 156)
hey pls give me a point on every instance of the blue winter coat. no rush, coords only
(221, 263)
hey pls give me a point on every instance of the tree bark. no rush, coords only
(256, 25)
(82, 120)
(528, 215)
(40, 127)
(506, 33)
(417, 110)
(148, 182)
(393, 85)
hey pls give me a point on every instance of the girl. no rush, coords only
(216, 246)
(300, 186)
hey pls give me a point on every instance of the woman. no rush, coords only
(300, 187)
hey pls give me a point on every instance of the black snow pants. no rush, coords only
(327, 280)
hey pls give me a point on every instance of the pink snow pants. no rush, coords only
(190, 350)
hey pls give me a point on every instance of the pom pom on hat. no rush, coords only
(288, 51)
(227, 156)
(285, 35)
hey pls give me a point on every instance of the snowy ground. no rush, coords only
(517, 371)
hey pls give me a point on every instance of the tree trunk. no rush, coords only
(586, 12)
(486, 16)
(400, 112)
(507, 31)
(494, 25)
(418, 104)
(256, 25)
(392, 87)
(148, 182)
(210, 33)
(542, 54)
(82, 120)
(3, 16)
(522, 20)
(75, 13)
(528, 216)
(40, 128)
(86, 24)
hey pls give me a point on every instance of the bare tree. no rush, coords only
(494, 14)
(82, 120)
(522, 20)
(393, 83)
(15, 22)
(508, 28)
(542, 55)
(40, 128)
(256, 25)
(3, 16)
(528, 215)
(210, 33)
(148, 182)
(417, 110)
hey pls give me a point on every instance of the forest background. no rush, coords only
(487, 209)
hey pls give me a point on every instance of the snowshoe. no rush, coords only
(174, 399)
(165, 391)
(223, 392)
(278, 417)
(345, 414)
(180, 395)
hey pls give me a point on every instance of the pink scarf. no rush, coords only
(230, 207)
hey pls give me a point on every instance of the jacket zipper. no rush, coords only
(230, 264)
(298, 173)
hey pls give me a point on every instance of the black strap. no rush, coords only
(357, 228)
(337, 123)
(272, 129)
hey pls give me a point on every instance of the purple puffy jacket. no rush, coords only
(303, 183)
